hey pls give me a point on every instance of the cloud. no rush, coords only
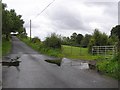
(67, 20)
(67, 16)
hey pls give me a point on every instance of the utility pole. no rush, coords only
(40, 14)
(30, 30)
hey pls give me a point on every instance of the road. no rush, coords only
(34, 72)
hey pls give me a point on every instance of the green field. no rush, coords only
(77, 53)
(6, 47)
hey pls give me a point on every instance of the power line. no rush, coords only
(40, 14)
(43, 9)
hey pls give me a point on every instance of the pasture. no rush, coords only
(77, 53)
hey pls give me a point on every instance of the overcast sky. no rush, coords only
(66, 16)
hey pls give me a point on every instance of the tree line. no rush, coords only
(96, 39)
(11, 22)
(87, 41)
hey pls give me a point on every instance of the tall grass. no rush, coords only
(110, 67)
(0, 51)
(6, 47)
(42, 49)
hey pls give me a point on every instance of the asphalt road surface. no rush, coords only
(34, 72)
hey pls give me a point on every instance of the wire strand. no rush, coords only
(43, 10)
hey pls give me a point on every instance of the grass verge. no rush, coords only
(109, 67)
(6, 47)
(42, 49)
(0, 51)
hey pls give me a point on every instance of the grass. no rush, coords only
(77, 53)
(109, 67)
(6, 47)
(29, 43)
(58, 62)
(0, 51)
(42, 49)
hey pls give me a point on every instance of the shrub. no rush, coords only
(109, 67)
(36, 40)
(53, 41)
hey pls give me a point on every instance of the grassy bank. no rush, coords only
(42, 49)
(0, 51)
(6, 47)
(109, 67)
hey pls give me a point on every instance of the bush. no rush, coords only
(109, 67)
(36, 40)
(53, 41)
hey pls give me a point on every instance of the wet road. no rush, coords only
(34, 72)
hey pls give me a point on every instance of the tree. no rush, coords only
(65, 40)
(98, 39)
(22, 32)
(104, 39)
(79, 38)
(112, 40)
(91, 44)
(101, 39)
(73, 39)
(53, 41)
(116, 32)
(85, 41)
(11, 22)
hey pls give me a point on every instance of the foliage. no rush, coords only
(40, 47)
(50, 51)
(11, 22)
(79, 38)
(65, 41)
(116, 32)
(109, 67)
(6, 46)
(85, 41)
(112, 40)
(74, 40)
(22, 33)
(91, 44)
(36, 40)
(98, 39)
(53, 41)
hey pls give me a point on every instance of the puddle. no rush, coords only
(57, 62)
(68, 62)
